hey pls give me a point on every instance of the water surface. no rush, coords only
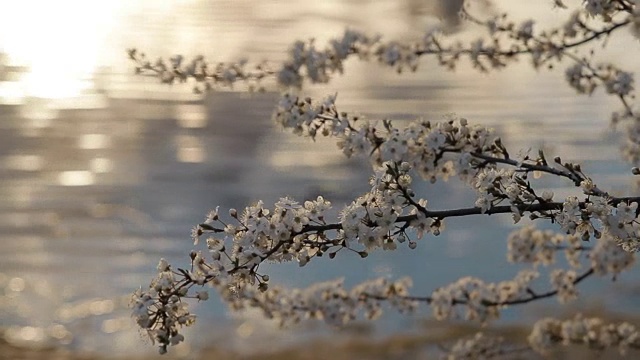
(103, 172)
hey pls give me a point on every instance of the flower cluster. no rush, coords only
(422, 144)
(390, 214)
(593, 332)
(585, 78)
(330, 301)
(480, 346)
(603, 8)
(207, 76)
(162, 303)
(608, 257)
(482, 301)
(371, 219)
(494, 186)
(529, 245)
(319, 64)
(601, 216)
(564, 282)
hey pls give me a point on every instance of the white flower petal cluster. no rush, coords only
(580, 78)
(585, 78)
(620, 83)
(499, 184)
(328, 301)
(480, 346)
(481, 301)
(600, 218)
(207, 76)
(529, 245)
(609, 258)
(593, 332)
(320, 64)
(174, 312)
(371, 219)
(603, 8)
(422, 144)
(564, 282)
(573, 25)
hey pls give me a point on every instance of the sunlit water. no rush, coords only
(103, 173)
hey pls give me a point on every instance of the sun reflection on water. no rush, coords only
(60, 44)
(76, 178)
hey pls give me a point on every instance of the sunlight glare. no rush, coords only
(76, 178)
(58, 41)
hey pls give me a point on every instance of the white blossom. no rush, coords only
(593, 332)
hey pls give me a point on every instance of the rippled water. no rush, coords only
(103, 173)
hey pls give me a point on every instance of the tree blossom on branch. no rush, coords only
(388, 216)
(504, 42)
(598, 233)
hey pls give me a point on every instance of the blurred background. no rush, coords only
(103, 172)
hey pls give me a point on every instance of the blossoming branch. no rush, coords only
(390, 215)
(505, 42)
(599, 234)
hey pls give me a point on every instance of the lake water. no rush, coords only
(103, 172)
